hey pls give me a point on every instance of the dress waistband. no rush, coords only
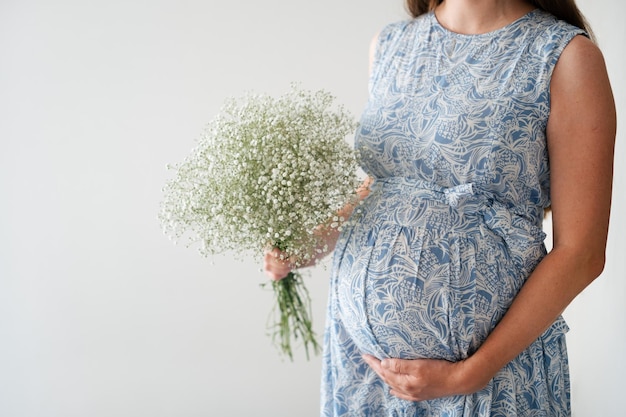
(522, 236)
(450, 195)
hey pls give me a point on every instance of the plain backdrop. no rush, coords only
(100, 314)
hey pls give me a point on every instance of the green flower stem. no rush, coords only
(293, 311)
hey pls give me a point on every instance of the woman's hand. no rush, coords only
(276, 265)
(424, 379)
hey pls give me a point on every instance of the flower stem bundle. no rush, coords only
(266, 173)
(293, 310)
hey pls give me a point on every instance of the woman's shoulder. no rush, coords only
(395, 32)
(546, 35)
(548, 28)
(390, 31)
(399, 27)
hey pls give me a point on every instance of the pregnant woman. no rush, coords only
(443, 300)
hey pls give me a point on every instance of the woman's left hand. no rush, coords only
(423, 379)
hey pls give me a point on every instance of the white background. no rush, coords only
(100, 314)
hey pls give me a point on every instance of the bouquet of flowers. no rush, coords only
(267, 172)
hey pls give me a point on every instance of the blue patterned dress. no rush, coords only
(454, 136)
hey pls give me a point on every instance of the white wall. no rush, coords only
(100, 314)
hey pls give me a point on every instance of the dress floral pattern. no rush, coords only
(454, 136)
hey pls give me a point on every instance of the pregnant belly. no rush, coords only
(407, 292)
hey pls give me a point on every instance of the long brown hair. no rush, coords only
(562, 9)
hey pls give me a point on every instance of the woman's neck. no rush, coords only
(480, 16)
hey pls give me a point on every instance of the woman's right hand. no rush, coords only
(276, 265)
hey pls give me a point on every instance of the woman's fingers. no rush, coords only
(275, 265)
(420, 379)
